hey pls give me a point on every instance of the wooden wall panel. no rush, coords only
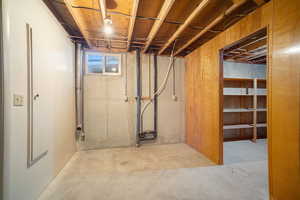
(282, 17)
(203, 99)
(284, 100)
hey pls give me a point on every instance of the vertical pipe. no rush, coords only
(149, 75)
(78, 89)
(155, 96)
(126, 80)
(138, 95)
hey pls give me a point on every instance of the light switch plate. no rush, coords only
(18, 100)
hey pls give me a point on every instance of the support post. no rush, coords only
(255, 110)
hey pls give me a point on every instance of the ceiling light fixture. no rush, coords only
(108, 26)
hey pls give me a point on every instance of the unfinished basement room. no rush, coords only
(150, 100)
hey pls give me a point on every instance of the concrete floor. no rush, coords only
(245, 151)
(163, 172)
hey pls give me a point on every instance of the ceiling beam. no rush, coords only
(187, 22)
(254, 45)
(132, 21)
(161, 18)
(259, 2)
(77, 21)
(211, 25)
(102, 5)
(260, 44)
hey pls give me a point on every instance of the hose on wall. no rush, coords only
(162, 86)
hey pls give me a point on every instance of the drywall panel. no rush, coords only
(53, 58)
(244, 70)
(109, 121)
(203, 126)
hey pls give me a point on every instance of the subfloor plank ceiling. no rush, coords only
(154, 26)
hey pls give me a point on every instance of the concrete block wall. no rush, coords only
(109, 121)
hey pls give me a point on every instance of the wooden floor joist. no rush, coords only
(132, 21)
(259, 2)
(161, 16)
(77, 20)
(211, 25)
(102, 4)
(160, 20)
(187, 22)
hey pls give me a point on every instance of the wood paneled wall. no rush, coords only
(203, 127)
(284, 102)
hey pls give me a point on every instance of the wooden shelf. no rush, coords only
(242, 79)
(261, 110)
(244, 92)
(238, 110)
(243, 126)
(238, 126)
(239, 90)
(261, 125)
(249, 95)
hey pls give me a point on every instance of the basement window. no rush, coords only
(103, 64)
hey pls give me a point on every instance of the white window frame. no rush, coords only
(104, 73)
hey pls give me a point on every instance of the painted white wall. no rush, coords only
(111, 122)
(53, 56)
(244, 70)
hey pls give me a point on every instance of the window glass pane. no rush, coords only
(112, 64)
(95, 63)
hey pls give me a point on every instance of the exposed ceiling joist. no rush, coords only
(259, 2)
(102, 4)
(252, 50)
(187, 22)
(252, 46)
(77, 20)
(132, 21)
(260, 39)
(161, 16)
(211, 25)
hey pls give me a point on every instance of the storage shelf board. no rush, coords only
(242, 79)
(243, 126)
(238, 126)
(238, 110)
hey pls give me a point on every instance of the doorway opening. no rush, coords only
(244, 99)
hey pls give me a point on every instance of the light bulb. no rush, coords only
(108, 29)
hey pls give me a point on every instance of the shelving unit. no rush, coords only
(245, 106)
(238, 110)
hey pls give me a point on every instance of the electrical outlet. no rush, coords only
(18, 100)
